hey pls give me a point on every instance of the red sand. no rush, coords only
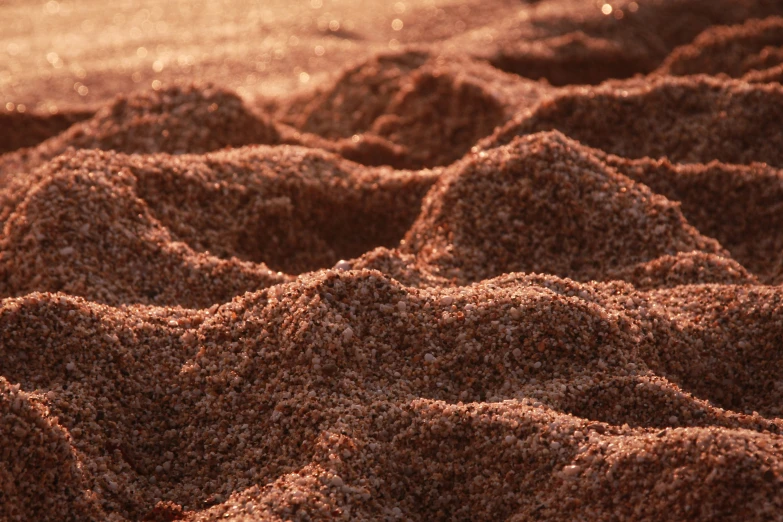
(224, 297)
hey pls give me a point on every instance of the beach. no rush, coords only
(414, 260)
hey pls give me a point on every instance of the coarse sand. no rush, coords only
(415, 260)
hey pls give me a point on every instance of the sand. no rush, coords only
(391, 261)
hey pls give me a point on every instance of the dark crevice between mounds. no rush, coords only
(20, 130)
(293, 209)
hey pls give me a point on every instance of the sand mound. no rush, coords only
(665, 117)
(735, 50)
(176, 120)
(545, 204)
(164, 219)
(728, 345)
(773, 74)
(404, 109)
(345, 109)
(390, 370)
(735, 204)
(84, 231)
(224, 305)
(576, 58)
(685, 269)
(39, 469)
(589, 43)
(411, 109)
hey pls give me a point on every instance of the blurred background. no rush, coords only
(78, 53)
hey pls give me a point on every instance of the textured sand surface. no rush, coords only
(415, 260)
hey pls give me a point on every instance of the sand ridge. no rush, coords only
(512, 263)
